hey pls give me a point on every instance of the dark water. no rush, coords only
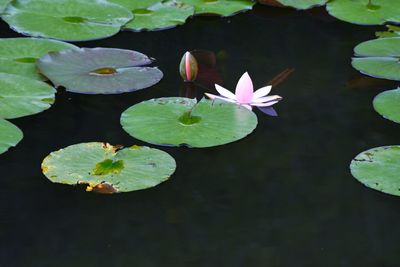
(281, 197)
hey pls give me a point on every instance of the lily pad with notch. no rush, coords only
(365, 12)
(379, 58)
(179, 121)
(109, 169)
(220, 7)
(20, 96)
(99, 70)
(387, 104)
(70, 20)
(10, 135)
(162, 15)
(19, 55)
(379, 169)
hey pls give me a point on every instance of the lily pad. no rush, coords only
(19, 55)
(162, 15)
(71, 20)
(178, 121)
(220, 7)
(108, 169)
(302, 4)
(379, 169)
(3, 4)
(379, 58)
(99, 70)
(387, 104)
(365, 12)
(10, 135)
(134, 5)
(392, 31)
(20, 96)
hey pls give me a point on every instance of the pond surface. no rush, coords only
(283, 196)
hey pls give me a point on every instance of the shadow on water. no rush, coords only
(281, 197)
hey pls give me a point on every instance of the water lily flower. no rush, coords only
(188, 68)
(246, 97)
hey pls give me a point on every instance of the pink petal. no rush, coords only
(267, 99)
(225, 92)
(265, 104)
(247, 106)
(187, 66)
(262, 92)
(212, 97)
(244, 90)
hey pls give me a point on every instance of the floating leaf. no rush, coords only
(182, 121)
(379, 169)
(3, 4)
(71, 20)
(379, 58)
(20, 96)
(106, 169)
(302, 4)
(19, 55)
(158, 16)
(388, 104)
(365, 12)
(392, 31)
(99, 70)
(134, 5)
(220, 7)
(10, 135)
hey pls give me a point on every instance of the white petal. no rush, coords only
(265, 104)
(262, 92)
(225, 92)
(247, 106)
(211, 96)
(267, 99)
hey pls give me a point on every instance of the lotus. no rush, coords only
(246, 97)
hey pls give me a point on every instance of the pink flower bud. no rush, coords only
(188, 67)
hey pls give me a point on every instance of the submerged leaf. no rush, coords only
(10, 135)
(365, 12)
(106, 169)
(392, 31)
(99, 70)
(19, 55)
(182, 121)
(220, 7)
(379, 58)
(388, 104)
(71, 20)
(20, 96)
(379, 169)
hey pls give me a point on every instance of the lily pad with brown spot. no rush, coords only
(108, 169)
(99, 70)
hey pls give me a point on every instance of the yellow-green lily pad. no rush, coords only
(108, 169)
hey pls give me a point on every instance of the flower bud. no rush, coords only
(188, 67)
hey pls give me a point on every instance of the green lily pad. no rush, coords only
(108, 169)
(303, 4)
(19, 55)
(71, 20)
(365, 12)
(220, 7)
(99, 70)
(3, 4)
(134, 5)
(379, 169)
(179, 121)
(20, 96)
(379, 58)
(162, 15)
(387, 104)
(392, 31)
(10, 135)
